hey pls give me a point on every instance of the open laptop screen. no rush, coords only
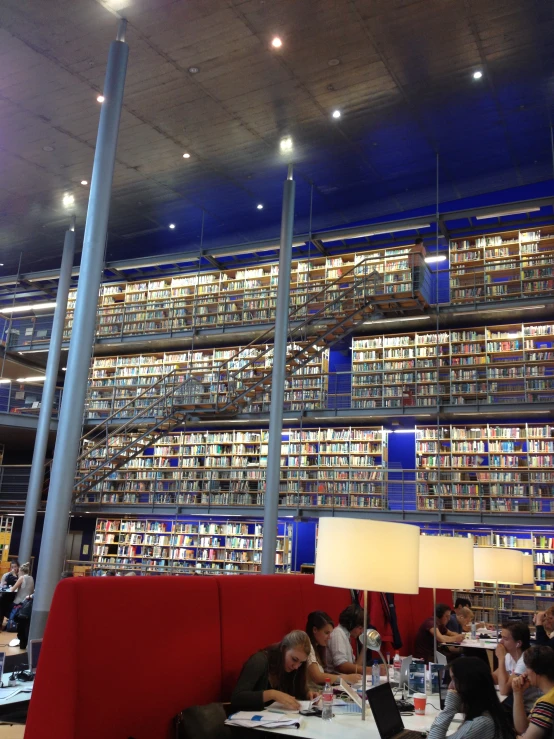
(34, 653)
(385, 711)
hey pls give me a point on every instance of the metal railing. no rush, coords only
(25, 398)
(14, 482)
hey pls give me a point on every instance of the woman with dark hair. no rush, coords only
(319, 629)
(276, 673)
(539, 662)
(515, 640)
(472, 693)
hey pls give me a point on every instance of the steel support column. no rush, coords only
(66, 450)
(36, 478)
(273, 472)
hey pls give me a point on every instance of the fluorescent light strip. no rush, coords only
(502, 310)
(4, 381)
(364, 234)
(40, 378)
(434, 260)
(397, 320)
(23, 308)
(500, 213)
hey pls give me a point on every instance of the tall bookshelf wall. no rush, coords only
(320, 468)
(245, 296)
(486, 467)
(512, 363)
(183, 544)
(115, 382)
(510, 264)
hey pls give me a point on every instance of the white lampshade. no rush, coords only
(363, 554)
(528, 569)
(446, 562)
(498, 565)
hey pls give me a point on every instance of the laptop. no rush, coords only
(387, 716)
(404, 673)
(34, 654)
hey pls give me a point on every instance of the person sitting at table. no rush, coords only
(319, 629)
(515, 639)
(544, 622)
(23, 587)
(10, 578)
(7, 596)
(276, 673)
(472, 693)
(454, 622)
(424, 641)
(340, 655)
(539, 662)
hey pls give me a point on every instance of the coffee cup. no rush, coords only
(420, 702)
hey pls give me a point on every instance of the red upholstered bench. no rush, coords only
(122, 656)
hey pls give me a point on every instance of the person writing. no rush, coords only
(319, 629)
(515, 639)
(544, 622)
(424, 641)
(472, 693)
(539, 662)
(276, 673)
(454, 622)
(340, 655)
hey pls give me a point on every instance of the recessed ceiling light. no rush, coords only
(336, 114)
(194, 70)
(84, 182)
(186, 155)
(276, 42)
(260, 206)
(477, 75)
(171, 225)
(68, 200)
(333, 62)
(285, 144)
(100, 98)
(47, 148)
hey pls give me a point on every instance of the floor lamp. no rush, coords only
(445, 562)
(496, 565)
(363, 554)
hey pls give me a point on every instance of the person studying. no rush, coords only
(514, 641)
(319, 629)
(340, 655)
(539, 663)
(424, 641)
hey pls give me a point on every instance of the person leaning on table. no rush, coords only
(544, 622)
(424, 641)
(340, 655)
(276, 673)
(472, 693)
(539, 662)
(319, 628)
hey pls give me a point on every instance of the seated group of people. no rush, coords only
(17, 588)
(297, 667)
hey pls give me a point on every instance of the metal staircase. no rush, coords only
(183, 396)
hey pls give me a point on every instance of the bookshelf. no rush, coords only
(115, 381)
(181, 545)
(320, 468)
(512, 363)
(486, 467)
(510, 264)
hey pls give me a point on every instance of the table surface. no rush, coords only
(18, 694)
(480, 643)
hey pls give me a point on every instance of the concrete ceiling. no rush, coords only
(401, 72)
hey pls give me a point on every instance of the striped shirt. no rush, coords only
(542, 713)
(481, 727)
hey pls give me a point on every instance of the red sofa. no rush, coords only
(122, 656)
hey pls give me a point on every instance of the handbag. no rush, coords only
(202, 722)
(11, 626)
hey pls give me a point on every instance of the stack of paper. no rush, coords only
(261, 719)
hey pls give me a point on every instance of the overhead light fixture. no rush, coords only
(171, 225)
(186, 155)
(286, 145)
(397, 320)
(403, 431)
(276, 42)
(503, 310)
(364, 231)
(48, 148)
(436, 258)
(260, 206)
(500, 213)
(336, 114)
(68, 200)
(477, 75)
(100, 98)
(4, 381)
(194, 70)
(84, 182)
(23, 308)
(39, 378)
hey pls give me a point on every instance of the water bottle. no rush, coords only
(473, 630)
(375, 673)
(327, 701)
(397, 665)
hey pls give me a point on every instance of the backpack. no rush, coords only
(202, 722)
(11, 626)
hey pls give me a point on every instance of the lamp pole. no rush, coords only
(273, 471)
(82, 337)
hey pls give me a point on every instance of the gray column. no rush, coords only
(70, 422)
(271, 502)
(36, 479)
